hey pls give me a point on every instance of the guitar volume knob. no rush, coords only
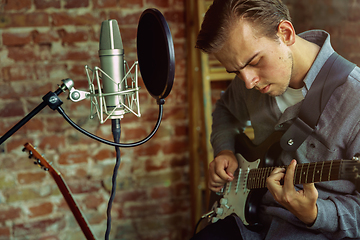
(219, 211)
(223, 201)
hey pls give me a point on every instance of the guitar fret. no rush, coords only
(262, 177)
(307, 173)
(330, 171)
(313, 178)
(322, 168)
(296, 173)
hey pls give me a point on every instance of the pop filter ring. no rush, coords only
(156, 55)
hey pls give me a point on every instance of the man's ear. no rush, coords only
(286, 32)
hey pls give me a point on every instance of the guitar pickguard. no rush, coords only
(235, 193)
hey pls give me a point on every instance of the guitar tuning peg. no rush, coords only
(24, 149)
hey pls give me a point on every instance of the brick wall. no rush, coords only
(43, 42)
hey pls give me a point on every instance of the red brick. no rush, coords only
(136, 133)
(53, 237)
(104, 154)
(44, 4)
(81, 173)
(148, 149)
(13, 39)
(11, 213)
(181, 130)
(178, 162)
(41, 210)
(64, 18)
(29, 178)
(21, 230)
(140, 211)
(76, 55)
(73, 157)
(174, 206)
(175, 147)
(175, 113)
(26, 20)
(130, 196)
(72, 37)
(17, 5)
(76, 3)
(45, 37)
(56, 124)
(17, 144)
(5, 232)
(18, 72)
(93, 201)
(12, 109)
(77, 70)
(104, 3)
(151, 166)
(81, 187)
(28, 53)
(161, 192)
(21, 54)
(6, 90)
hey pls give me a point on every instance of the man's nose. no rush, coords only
(249, 77)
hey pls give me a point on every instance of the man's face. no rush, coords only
(259, 61)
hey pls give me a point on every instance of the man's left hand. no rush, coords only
(301, 203)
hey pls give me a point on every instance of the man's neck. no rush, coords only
(304, 55)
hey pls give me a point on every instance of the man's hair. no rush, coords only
(223, 15)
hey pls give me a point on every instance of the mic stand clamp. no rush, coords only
(52, 100)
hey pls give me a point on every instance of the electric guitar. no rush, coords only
(243, 195)
(41, 162)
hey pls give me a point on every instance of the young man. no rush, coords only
(275, 69)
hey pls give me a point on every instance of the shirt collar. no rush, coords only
(322, 39)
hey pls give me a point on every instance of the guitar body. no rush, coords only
(236, 197)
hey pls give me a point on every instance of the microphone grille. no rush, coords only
(110, 37)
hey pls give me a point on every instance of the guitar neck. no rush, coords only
(304, 173)
(64, 189)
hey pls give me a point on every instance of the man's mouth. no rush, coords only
(264, 89)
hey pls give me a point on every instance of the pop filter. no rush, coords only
(155, 50)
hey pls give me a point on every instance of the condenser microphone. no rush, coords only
(111, 54)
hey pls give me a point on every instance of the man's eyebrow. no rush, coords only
(247, 63)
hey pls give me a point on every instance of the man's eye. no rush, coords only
(255, 63)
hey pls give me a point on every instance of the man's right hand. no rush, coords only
(221, 170)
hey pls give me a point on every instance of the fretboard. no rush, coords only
(304, 173)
